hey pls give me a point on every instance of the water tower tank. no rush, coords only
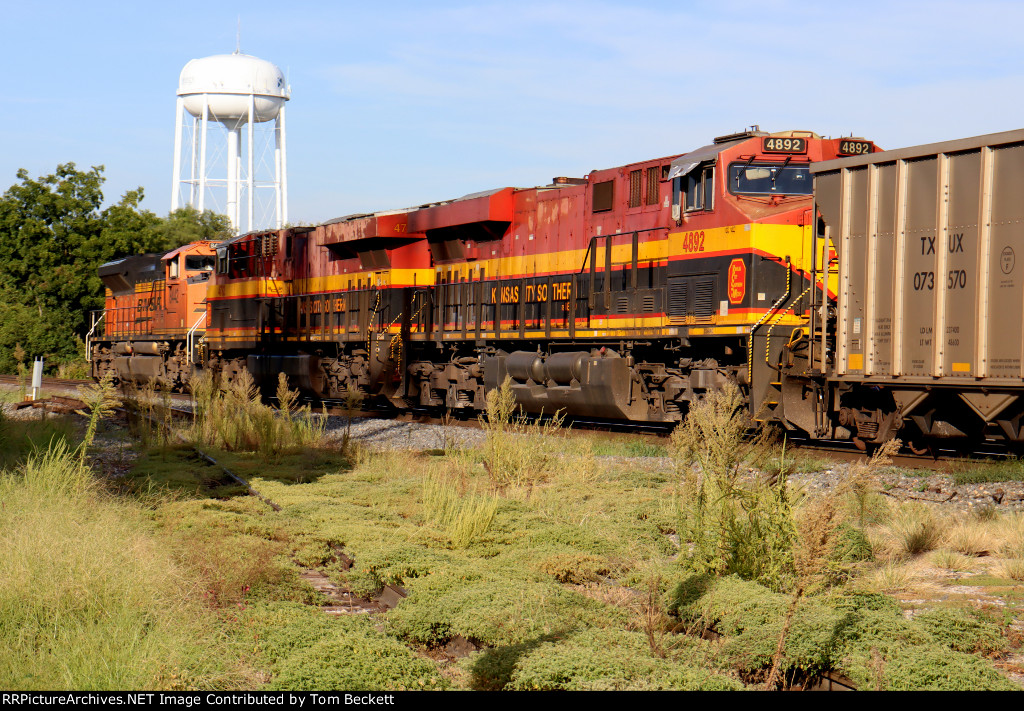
(234, 90)
(228, 80)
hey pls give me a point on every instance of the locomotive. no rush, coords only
(850, 293)
(625, 294)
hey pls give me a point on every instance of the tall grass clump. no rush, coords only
(463, 513)
(235, 418)
(88, 599)
(733, 525)
(914, 529)
(518, 452)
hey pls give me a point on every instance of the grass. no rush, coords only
(914, 529)
(236, 419)
(89, 599)
(566, 575)
(994, 470)
(631, 446)
(463, 513)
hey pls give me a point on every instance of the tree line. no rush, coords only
(53, 237)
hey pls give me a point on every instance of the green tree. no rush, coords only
(54, 236)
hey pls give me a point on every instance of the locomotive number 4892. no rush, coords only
(693, 241)
(855, 148)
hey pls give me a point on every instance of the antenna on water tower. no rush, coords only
(233, 91)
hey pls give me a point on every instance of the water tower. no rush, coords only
(232, 91)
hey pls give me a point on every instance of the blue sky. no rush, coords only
(422, 101)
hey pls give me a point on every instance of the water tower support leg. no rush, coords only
(176, 173)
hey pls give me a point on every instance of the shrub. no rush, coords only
(575, 568)
(354, 656)
(925, 668)
(492, 608)
(734, 527)
(605, 660)
(962, 631)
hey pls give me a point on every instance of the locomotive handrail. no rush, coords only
(190, 339)
(88, 336)
(633, 260)
(593, 239)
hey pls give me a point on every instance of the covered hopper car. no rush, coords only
(926, 338)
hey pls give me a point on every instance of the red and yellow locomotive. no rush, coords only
(622, 295)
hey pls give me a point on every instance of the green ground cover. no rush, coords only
(564, 569)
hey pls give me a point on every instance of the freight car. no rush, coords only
(926, 340)
(626, 294)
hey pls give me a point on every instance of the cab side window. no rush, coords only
(699, 186)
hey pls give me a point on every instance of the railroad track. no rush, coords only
(941, 460)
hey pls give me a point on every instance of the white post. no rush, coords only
(37, 377)
(202, 154)
(249, 177)
(176, 173)
(283, 177)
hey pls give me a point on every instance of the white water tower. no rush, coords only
(232, 91)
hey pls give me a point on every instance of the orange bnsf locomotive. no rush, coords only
(623, 295)
(155, 306)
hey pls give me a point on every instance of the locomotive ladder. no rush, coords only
(822, 269)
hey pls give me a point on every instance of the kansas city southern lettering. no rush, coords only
(559, 291)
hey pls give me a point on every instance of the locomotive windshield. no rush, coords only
(199, 263)
(770, 179)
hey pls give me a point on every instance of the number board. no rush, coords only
(785, 145)
(855, 148)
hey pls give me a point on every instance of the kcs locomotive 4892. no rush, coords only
(785, 263)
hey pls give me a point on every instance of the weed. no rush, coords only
(860, 485)
(464, 516)
(77, 369)
(521, 453)
(738, 527)
(237, 420)
(950, 560)
(101, 402)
